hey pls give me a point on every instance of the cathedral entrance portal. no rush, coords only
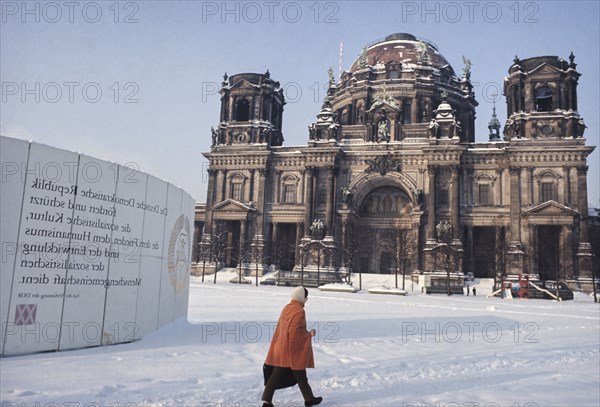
(383, 226)
(548, 252)
(232, 243)
(484, 248)
(284, 246)
(385, 263)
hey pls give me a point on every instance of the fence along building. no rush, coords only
(392, 157)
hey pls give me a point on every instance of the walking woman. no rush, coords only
(291, 352)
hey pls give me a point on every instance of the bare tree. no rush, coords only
(446, 254)
(362, 250)
(204, 253)
(241, 256)
(350, 250)
(218, 249)
(501, 248)
(257, 255)
(405, 250)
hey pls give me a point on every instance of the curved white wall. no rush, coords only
(93, 253)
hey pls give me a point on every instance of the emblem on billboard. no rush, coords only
(25, 314)
(179, 253)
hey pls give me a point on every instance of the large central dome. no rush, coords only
(401, 48)
(393, 92)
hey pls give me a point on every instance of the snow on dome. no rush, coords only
(403, 48)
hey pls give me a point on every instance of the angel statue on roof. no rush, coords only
(467, 68)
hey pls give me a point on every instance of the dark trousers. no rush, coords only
(276, 377)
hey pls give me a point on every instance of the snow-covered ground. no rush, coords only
(372, 350)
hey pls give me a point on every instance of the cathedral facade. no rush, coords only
(391, 169)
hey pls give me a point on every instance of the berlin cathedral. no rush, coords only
(391, 168)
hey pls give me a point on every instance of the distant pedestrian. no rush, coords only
(468, 289)
(474, 291)
(290, 353)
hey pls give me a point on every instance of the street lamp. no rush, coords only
(257, 245)
(204, 247)
(302, 254)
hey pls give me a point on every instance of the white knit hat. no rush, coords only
(299, 294)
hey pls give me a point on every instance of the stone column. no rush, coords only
(414, 111)
(431, 215)
(567, 185)
(243, 247)
(344, 242)
(260, 201)
(471, 258)
(574, 101)
(251, 197)
(469, 186)
(329, 204)
(277, 182)
(400, 118)
(431, 243)
(521, 97)
(583, 201)
(515, 224)
(566, 246)
(220, 181)
(212, 176)
(529, 98)
(515, 247)
(525, 178)
(454, 203)
(500, 255)
(584, 251)
(308, 199)
(276, 249)
(569, 94)
(499, 199)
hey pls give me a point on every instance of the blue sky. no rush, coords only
(135, 81)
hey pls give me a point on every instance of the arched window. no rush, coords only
(237, 188)
(485, 189)
(242, 110)
(543, 99)
(548, 190)
(485, 194)
(548, 186)
(289, 186)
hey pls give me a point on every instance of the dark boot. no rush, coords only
(313, 402)
(265, 404)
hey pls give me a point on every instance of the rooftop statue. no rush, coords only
(467, 68)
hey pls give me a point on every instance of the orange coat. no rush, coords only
(291, 345)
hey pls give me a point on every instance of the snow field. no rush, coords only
(371, 350)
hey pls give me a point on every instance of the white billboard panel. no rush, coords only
(45, 235)
(14, 155)
(182, 296)
(170, 282)
(152, 263)
(93, 253)
(124, 266)
(85, 284)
